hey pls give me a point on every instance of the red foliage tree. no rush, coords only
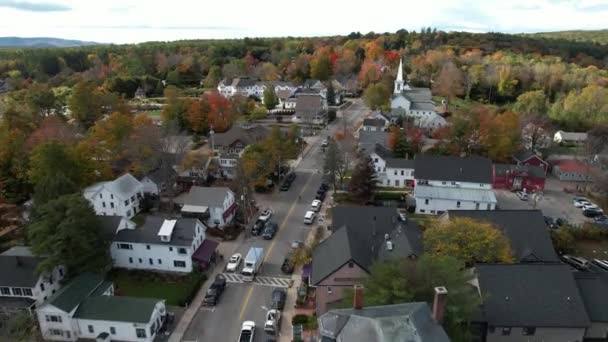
(220, 113)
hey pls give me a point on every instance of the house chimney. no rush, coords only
(439, 302)
(358, 298)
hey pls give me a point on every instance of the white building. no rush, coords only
(374, 125)
(392, 172)
(227, 164)
(570, 137)
(118, 197)
(158, 245)
(215, 206)
(21, 287)
(86, 309)
(415, 104)
(453, 183)
(245, 86)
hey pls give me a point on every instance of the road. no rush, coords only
(249, 301)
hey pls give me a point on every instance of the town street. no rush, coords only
(249, 301)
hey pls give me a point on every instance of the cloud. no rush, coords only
(154, 27)
(34, 7)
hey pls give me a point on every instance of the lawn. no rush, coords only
(592, 249)
(176, 290)
(154, 113)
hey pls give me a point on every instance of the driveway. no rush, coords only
(553, 203)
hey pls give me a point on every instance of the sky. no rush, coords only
(134, 21)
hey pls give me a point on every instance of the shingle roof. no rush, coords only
(449, 168)
(124, 187)
(76, 291)
(109, 225)
(182, 235)
(410, 322)
(422, 106)
(374, 122)
(532, 170)
(246, 134)
(414, 94)
(369, 139)
(525, 229)
(353, 239)
(244, 82)
(206, 196)
(117, 309)
(395, 163)
(18, 267)
(309, 105)
(594, 290)
(523, 155)
(536, 295)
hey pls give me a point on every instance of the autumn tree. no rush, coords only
(335, 164)
(500, 135)
(399, 143)
(468, 240)
(213, 77)
(531, 104)
(52, 128)
(450, 82)
(175, 108)
(220, 112)
(14, 181)
(66, 232)
(84, 104)
(376, 96)
(369, 73)
(197, 116)
(363, 181)
(270, 98)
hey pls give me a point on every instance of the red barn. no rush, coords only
(516, 177)
(527, 157)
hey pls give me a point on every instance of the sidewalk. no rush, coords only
(225, 248)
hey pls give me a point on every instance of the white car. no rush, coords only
(247, 331)
(234, 262)
(309, 217)
(580, 203)
(273, 322)
(590, 206)
(522, 195)
(325, 142)
(316, 205)
(265, 215)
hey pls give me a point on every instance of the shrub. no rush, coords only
(331, 115)
(299, 319)
(390, 196)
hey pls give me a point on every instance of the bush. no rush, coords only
(299, 319)
(331, 115)
(390, 196)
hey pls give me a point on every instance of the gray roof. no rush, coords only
(309, 105)
(395, 163)
(183, 232)
(535, 295)
(374, 122)
(109, 225)
(124, 187)
(414, 94)
(369, 139)
(410, 322)
(594, 290)
(457, 169)
(206, 196)
(117, 309)
(246, 134)
(18, 267)
(353, 239)
(240, 82)
(455, 193)
(573, 136)
(16, 302)
(423, 106)
(77, 290)
(525, 229)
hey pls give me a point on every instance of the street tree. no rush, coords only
(270, 98)
(469, 240)
(363, 180)
(334, 166)
(66, 232)
(85, 103)
(376, 96)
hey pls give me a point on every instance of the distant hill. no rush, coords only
(596, 36)
(41, 42)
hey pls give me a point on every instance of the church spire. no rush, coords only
(399, 81)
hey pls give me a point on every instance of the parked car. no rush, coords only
(309, 217)
(234, 262)
(285, 187)
(324, 186)
(325, 142)
(577, 262)
(590, 206)
(592, 212)
(270, 231)
(287, 267)
(212, 296)
(265, 215)
(257, 228)
(316, 205)
(600, 218)
(603, 264)
(580, 203)
(291, 177)
(273, 322)
(522, 195)
(278, 299)
(247, 331)
(320, 195)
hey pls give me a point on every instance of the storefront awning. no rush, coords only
(205, 251)
(229, 211)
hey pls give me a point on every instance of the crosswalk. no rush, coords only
(264, 281)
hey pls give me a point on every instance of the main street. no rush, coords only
(250, 301)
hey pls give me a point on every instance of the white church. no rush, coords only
(414, 103)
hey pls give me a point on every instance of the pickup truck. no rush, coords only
(212, 296)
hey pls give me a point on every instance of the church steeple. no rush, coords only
(399, 81)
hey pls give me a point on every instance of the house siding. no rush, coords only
(343, 278)
(439, 205)
(388, 178)
(541, 335)
(535, 161)
(120, 208)
(66, 325)
(569, 176)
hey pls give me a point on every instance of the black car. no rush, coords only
(324, 186)
(291, 177)
(287, 267)
(286, 185)
(278, 299)
(258, 227)
(270, 230)
(212, 296)
(320, 195)
(592, 212)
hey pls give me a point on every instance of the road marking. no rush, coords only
(245, 302)
(233, 278)
(259, 280)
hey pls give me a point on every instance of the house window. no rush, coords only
(141, 333)
(170, 249)
(528, 331)
(422, 210)
(481, 185)
(443, 183)
(506, 331)
(103, 204)
(129, 213)
(111, 196)
(160, 262)
(124, 246)
(17, 291)
(112, 330)
(5, 291)
(147, 246)
(388, 182)
(426, 201)
(52, 318)
(402, 172)
(41, 287)
(181, 250)
(178, 263)
(395, 172)
(397, 182)
(100, 196)
(140, 261)
(130, 260)
(432, 211)
(351, 264)
(329, 290)
(61, 272)
(150, 261)
(112, 205)
(476, 206)
(91, 329)
(133, 198)
(27, 292)
(489, 206)
(458, 204)
(56, 332)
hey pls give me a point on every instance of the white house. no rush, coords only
(158, 245)
(245, 86)
(215, 206)
(118, 197)
(227, 164)
(415, 104)
(21, 287)
(86, 308)
(570, 137)
(374, 124)
(453, 183)
(392, 172)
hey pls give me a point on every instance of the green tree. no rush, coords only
(531, 104)
(54, 158)
(270, 98)
(334, 165)
(331, 94)
(363, 180)
(67, 232)
(400, 145)
(468, 240)
(376, 96)
(176, 107)
(22, 327)
(213, 77)
(320, 68)
(85, 103)
(14, 182)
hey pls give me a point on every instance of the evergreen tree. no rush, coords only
(331, 94)
(270, 98)
(363, 181)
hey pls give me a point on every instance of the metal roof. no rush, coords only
(455, 194)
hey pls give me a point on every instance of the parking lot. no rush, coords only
(554, 202)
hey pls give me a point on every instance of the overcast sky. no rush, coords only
(132, 21)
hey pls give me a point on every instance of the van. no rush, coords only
(577, 262)
(309, 218)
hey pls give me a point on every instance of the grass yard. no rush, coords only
(592, 249)
(424, 221)
(154, 113)
(176, 290)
